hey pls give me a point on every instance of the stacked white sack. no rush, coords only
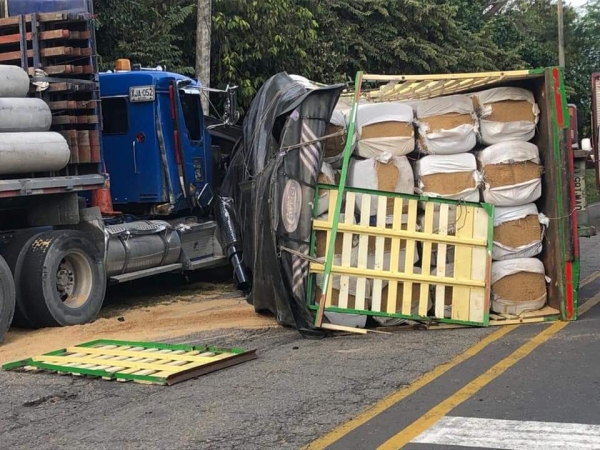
(415, 300)
(343, 319)
(327, 176)
(526, 242)
(517, 296)
(446, 125)
(511, 173)
(465, 187)
(507, 114)
(321, 240)
(333, 152)
(395, 175)
(385, 130)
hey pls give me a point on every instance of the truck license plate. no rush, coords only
(142, 94)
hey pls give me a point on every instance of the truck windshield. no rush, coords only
(192, 113)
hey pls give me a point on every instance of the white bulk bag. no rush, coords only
(362, 174)
(338, 119)
(343, 319)
(460, 139)
(326, 172)
(494, 132)
(510, 153)
(384, 147)
(509, 214)
(437, 164)
(392, 322)
(502, 269)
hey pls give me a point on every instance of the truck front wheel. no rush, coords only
(62, 280)
(7, 298)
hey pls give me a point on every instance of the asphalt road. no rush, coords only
(299, 390)
(296, 391)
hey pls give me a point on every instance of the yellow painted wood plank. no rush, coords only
(479, 266)
(409, 263)
(376, 297)
(426, 266)
(415, 278)
(172, 355)
(403, 234)
(363, 252)
(440, 290)
(347, 250)
(333, 196)
(515, 74)
(463, 259)
(60, 359)
(125, 364)
(393, 276)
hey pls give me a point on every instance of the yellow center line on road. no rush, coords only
(436, 413)
(341, 431)
(346, 428)
(589, 279)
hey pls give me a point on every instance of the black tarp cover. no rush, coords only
(266, 201)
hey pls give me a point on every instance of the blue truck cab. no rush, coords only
(157, 148)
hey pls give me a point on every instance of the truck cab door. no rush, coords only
(194, 146)
(131, 154)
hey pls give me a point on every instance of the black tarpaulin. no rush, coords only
(265, 205)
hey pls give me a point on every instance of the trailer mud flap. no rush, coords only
(407, 257)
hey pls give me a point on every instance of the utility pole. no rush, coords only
(561, 34)
(203, 35)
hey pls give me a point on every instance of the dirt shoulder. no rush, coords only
(146, 313)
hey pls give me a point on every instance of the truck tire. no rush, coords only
(14, 253)
(63, 281)
(7, 298)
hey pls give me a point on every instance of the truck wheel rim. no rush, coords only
(74, 280)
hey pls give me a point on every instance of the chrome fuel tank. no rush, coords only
(141, 245)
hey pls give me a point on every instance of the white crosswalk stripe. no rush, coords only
(511, 434)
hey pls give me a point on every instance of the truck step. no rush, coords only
(145, 273)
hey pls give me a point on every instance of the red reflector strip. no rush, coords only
(177, 148)
(172, 100)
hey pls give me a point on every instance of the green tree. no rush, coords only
(145, 31)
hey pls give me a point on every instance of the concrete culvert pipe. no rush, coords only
(32, 152)
(24, 115)
(14, 82)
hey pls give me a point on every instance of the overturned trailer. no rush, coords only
(268, 215)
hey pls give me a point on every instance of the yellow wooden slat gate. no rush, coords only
(417, 258)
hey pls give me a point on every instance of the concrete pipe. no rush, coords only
(24, 115)
(22, 153)
(14, 82)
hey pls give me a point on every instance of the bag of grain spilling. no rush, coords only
(512, 173)
(333, 149)
(453, 177)
(385, 130)
(518, 232)
(415, 302)
(506, 114)
(327, 176)
(446, 125)
(518, 286)
(393, 175)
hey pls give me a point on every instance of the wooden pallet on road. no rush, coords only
(141, 362)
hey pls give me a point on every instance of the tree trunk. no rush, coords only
(203, 34)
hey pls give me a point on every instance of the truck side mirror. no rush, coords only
(231, 115)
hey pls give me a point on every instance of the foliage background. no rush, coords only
(330, 40)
